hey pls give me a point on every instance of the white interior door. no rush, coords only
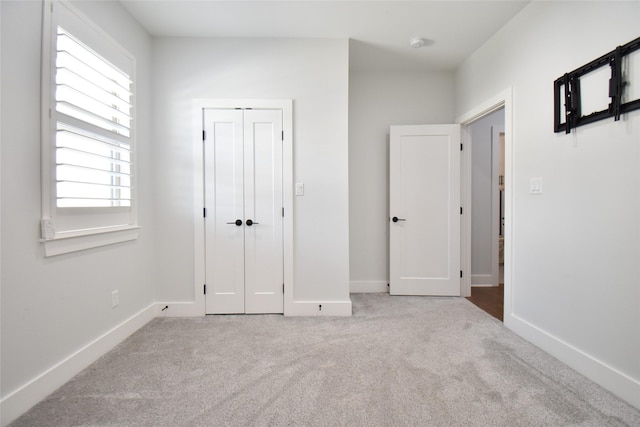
(224, 198)
(243, 198)
(424, 234)
(263, 274)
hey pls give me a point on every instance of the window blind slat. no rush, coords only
(93, 110)
(92, 146)
(68, 202)
(68, 135)
(89, 117)
(69, 78)
(73, 96)
(67, 42)
(113, 186)
(86, 170)
(69, 123)
(80, 158)
(66, 60)
(92, 191)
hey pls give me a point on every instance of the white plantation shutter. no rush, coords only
(93, 105)
(88, 127)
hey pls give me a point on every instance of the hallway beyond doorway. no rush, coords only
(490, 299)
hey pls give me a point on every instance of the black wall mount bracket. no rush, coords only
(567, 91)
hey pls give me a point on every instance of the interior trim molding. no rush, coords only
(504, 99)
(178, 309)
(75, 243)
(368, 286)
(599, 372)
(319, 308)
(484, 280)
(286, 105)
(21, 400)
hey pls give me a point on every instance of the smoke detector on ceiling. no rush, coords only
(417, 42)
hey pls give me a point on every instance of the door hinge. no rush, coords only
(205, 289)
(460, 210)
(283, 135)
(204, 212)
(282, 212)
(460, 146)
(461, 274)
(204, 135)
(283, 288)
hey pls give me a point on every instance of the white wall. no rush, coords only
(376, 101)
(312, 72)
(575, 281)
(53, 307)
(483, 180)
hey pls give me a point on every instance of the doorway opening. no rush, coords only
(487, 214)
(486, 195)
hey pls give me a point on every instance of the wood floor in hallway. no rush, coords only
(490, 299)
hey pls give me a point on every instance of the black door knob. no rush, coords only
(237, 222)
(250, 223)
(396, 219)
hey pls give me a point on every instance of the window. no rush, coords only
(88, 134)
(93, 152)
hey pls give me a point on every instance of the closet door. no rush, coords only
(224, 201)
(244, 224)
(264, 267)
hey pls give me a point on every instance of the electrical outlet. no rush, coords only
(115, 298)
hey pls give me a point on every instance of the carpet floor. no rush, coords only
(398, 361)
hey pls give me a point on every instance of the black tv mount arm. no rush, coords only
(572, 100)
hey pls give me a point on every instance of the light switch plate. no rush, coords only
(48, 228)
(299, 189)
(115, 298)
(535, 186)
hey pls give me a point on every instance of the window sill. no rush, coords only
(92, 239)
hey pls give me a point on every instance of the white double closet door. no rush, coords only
(244, 216)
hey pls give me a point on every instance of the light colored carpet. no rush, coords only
(397, 361)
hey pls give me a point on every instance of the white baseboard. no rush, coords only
(368, 286)
(21, 400)
(483, 280)
(318, 308)
(179, 309)
(616, 382)
(297, 308)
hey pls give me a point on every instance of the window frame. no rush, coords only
(65, 230)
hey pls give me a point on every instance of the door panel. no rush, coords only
(223, 198)
(425, 197)
(243, 181)
(263, 205)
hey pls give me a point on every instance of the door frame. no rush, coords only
(495, 202)
(198, 308)
(504, 100)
